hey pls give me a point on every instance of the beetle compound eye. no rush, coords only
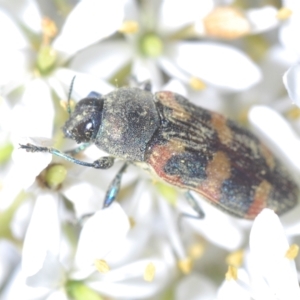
(86, 129)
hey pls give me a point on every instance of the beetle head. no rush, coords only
(83, 124)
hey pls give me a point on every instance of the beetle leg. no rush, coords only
(114, 187)
(78, 149)
(102, 163)
(195, 205)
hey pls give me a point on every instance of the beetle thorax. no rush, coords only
(129, 121)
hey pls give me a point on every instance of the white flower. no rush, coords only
(271, 269)
(155, 46)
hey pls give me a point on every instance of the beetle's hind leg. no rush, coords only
(195, 205)
(102, 163)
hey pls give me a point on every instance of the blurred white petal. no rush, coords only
(9, 28)
(268, 246)
(103, 60)
(262, 19)
(83, 84)
(26, 12)
(220, 65)
(127, 281)
(9, 257)
(227, 233)
(15, 65)
(101, 233)
(175, 14)
(43, 234)
(85, 197)
(34, 116)
(291, 80)
(275, 130)
(58, 295)
(89, 22)
(195, 287)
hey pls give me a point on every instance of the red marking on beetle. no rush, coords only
(159, 157)
(260, 199)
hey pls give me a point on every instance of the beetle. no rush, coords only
(182, 144)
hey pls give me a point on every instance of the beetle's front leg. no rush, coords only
(102, 163)
(114, 187)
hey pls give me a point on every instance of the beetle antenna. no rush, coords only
(69, 96)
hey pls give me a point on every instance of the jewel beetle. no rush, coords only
(182, 144)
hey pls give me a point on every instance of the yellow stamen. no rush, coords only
(292, 252)
(102, 266)
(227, 23)
(235, 259)
(197, 84)
(185, 265)
(49, 30)
(149, 272)
(284, 13)
(129, 27)
(131, 222)
(231, 273)
(293, 113)
(196, 251)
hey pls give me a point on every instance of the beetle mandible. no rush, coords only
(182, 144)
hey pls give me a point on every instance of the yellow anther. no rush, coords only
(197, 84)
(185, 265)
(231, 273)
(149, 272)
(292, 252)
(129, 27)
(196, 250)
(235, 259)
(102, 266)
(284, 13)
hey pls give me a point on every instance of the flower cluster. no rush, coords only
(56, 241)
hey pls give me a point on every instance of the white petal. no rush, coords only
(145, 69)
(291, 80)
(276, 131)
(103, 60)
(290, 28)
(50, 275)
(231, 290)
(176, 14)
(85, 197)
(15, 67)
(9, 257)
(227, 232)
(262, 19)
(128, 280)
(268, 247)
(89, 22)
(16, 288)
(22, 174)
(43, 234)
(195, 287)
(83, 84)
(58, 295)
(171, 224)
(36, 113)
(219, 65)
(10, 34)
(26, 12)
(101, 233)
(176, 86)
